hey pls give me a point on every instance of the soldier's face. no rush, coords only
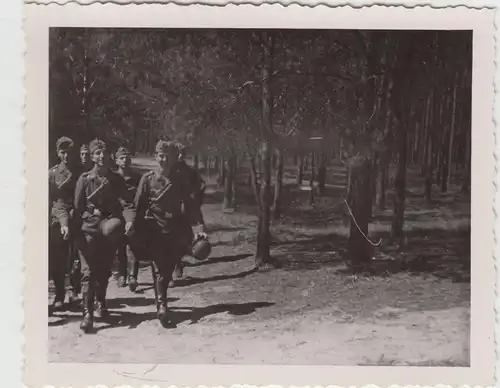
(166, 160)
(84, 157)
(100, 157)
(123, 161)
(63, 155)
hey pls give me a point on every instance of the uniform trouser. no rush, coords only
(96, 256)
(59, 260)
(166, 252)
(187, 238)
(75, 269)
(128, 256)
(74, 275)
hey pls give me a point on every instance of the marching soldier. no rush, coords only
(75, 272)
(196, 187)
(62, 181)
(158, 202)
(129, 248)
(101, 212)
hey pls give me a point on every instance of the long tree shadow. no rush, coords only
(311, 253)
(219, 259)
(179, 315)
(189, 281)
(442, 253)
(118, 303)
(424, 216)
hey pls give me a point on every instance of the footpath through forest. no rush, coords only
(413, 311)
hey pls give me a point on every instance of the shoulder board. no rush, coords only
(149, 173)
(85, 174)
(54, 168)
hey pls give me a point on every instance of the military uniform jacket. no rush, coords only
(100, 197)
(132, 180)
(196, 184)
(162, 200)
(62, 182)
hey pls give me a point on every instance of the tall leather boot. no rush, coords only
(87, 324)
(161, 302)
(133, 272)
(70, 290)
(101, 312)
(75, 277)
(60, 293)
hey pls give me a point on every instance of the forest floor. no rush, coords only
(413, 309)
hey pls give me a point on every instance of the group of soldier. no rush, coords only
(99, 212)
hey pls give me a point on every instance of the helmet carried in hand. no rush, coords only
(201, 248)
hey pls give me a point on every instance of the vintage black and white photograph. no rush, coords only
(261, 196)
(281, 186)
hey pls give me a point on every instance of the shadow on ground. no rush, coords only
(178, 315)
(442, 253)
(219, 259)
(189, 281)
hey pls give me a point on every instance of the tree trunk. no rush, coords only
(249, 176)
(300, 170)
(228, 184)
(278, 185)
(340, 155)
(444, 154)
(311, 181)
(359, 251)
(264, 235)
(428, 171)
(222, 172)
(452, 132)
(216, 167)
(263, 254)
(322, 175)
(375, 159)
(254, 179)
(427, 158)
(234, 171)
(381, 182)
(206, 165)
(466, 183)
(400, 188)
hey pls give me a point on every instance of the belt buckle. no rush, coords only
(168, 215)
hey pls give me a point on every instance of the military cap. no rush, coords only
(64, 143)
(96, 144)
(166, 146)
(122, 151)
(84, 147)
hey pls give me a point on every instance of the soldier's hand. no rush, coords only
(65, 232)
(128, 228)
(201, 235)
(200, 229)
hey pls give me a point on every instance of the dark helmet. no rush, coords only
(201, 249)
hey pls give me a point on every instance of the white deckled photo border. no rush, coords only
(38, 19)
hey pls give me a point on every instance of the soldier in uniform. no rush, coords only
(196, 187)
(62, 181)
(129, 248)
(103, 217)
(158, 202)
(75, 273)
